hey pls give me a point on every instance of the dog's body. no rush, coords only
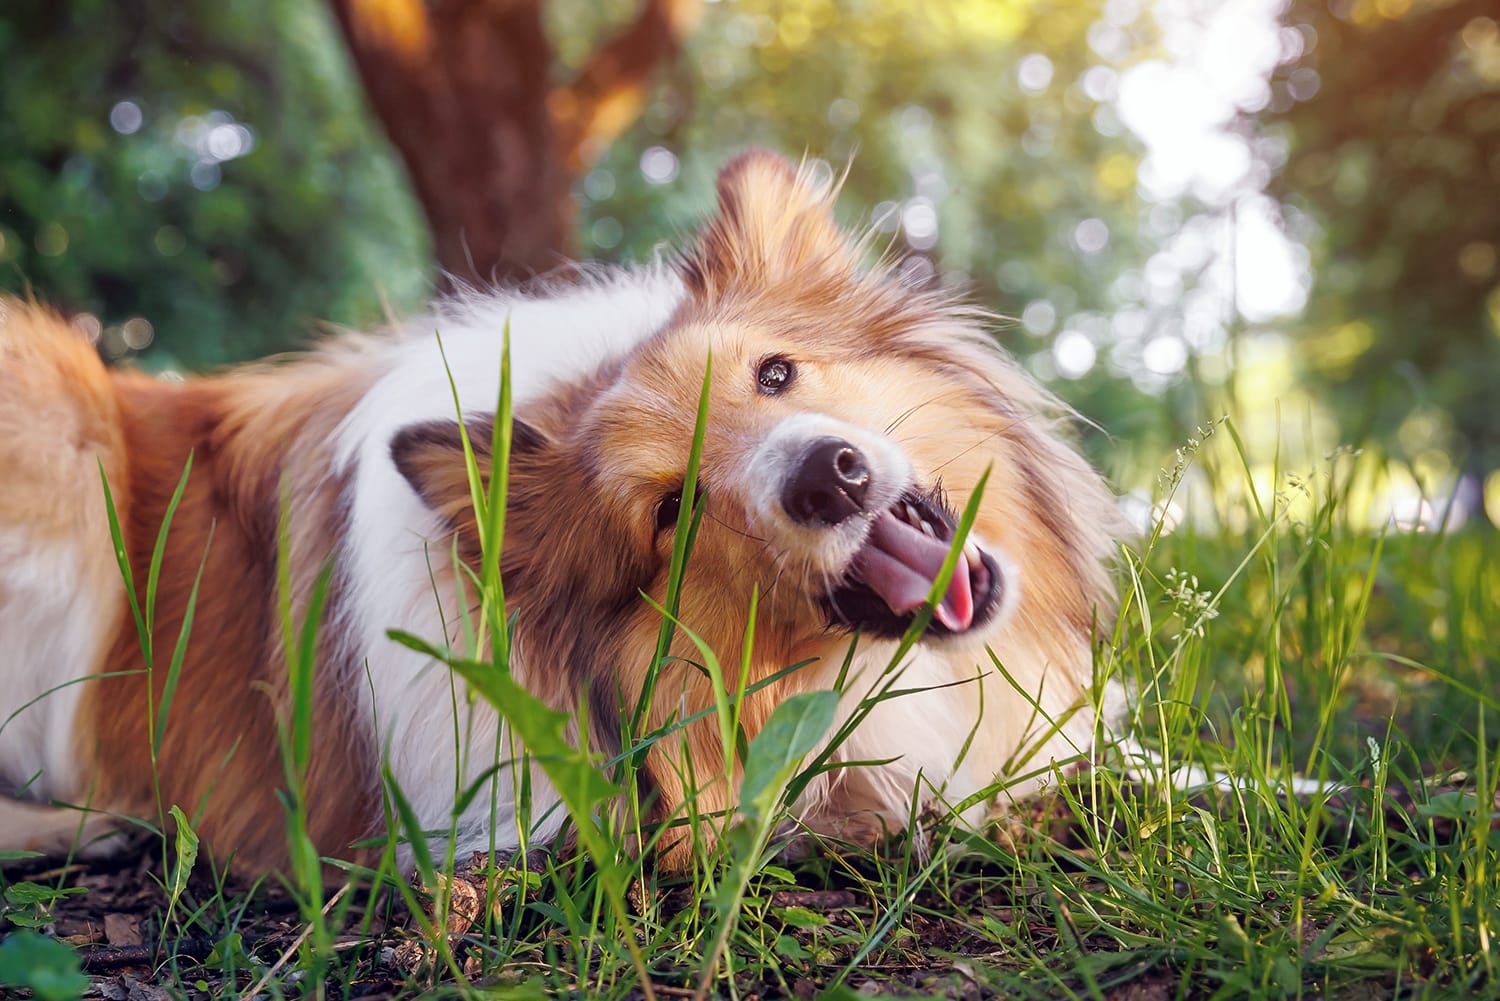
(850, 419)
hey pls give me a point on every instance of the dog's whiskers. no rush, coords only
(738, 531)
(907, 414)
(959, 455)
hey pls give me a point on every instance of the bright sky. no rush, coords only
(1230, 254)
(1219, 55)
(1223, 249)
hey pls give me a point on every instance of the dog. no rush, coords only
(851, 418)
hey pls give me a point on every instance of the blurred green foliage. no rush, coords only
(212, 169)
(977, 180)
(1390, 116)
(980, 180)
(205, 167)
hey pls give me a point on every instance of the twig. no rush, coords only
(113, 957)
(286, 956)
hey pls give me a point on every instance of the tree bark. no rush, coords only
(463, 88)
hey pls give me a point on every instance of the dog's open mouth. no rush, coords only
(894, 571)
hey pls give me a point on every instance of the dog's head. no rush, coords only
(850, 421)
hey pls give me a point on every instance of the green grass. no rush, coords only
(1293, 641)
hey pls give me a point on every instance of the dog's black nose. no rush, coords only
(827, 485)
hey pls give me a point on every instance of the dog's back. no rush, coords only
(76, 720)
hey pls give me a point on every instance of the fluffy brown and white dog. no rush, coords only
(850, 419)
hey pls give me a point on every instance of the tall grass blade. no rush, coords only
(179, 653)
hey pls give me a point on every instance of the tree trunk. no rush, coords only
(463, 88)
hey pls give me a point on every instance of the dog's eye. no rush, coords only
(775, 374)
(668, 507)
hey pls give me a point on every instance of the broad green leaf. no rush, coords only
(801, 917)
(51, 970)
(187, 856)
(1454, 804)
(793, 730)
(543, 732)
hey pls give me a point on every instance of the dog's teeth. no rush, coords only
(972, 555)
(928, 530)
(912, 517)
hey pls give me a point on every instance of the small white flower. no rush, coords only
(1195, 607)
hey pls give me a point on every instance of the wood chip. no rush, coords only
(122, 929)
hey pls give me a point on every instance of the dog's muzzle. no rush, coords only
(828, 484)
(903, 552)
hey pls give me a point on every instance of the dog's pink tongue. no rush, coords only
(900, 563)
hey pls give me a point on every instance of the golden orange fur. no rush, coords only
(909, 373)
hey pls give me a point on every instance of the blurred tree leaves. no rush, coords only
(1391, 122)
(978, 138)
(207, 174)
(204, 167)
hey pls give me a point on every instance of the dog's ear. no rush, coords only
(774, 222)
(431, 457)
